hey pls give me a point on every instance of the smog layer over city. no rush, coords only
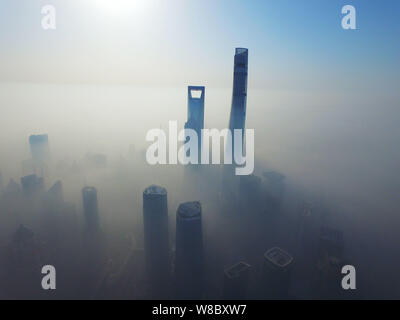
(83, 83)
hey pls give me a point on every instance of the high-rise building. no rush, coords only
(239, 97)
(156, 242)
(237, 119)
(23, 264)
(195, 119)
(236, 281)
(39, 147)
(32, 185)
(189, 251)
(277, 273)
(90, 208)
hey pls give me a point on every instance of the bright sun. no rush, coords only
(123, 6)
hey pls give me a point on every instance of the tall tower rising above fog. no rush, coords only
(39, 145)
(195, 120)
(156, 243)
(90, 208)
(237, 118)
(189, 251)
(239, 96)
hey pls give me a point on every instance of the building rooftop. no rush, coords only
(189, 210)
(241, 50)
(235, 270)
(155, 190)
(278, 257)
(89, 190)
(40, 138)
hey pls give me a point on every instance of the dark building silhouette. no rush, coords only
(23, 264)
(237, 118)
(189, 251)
(32, 185)
(156, 242)
(90, 208)
(239, 97)
(236, 281)
(196, 96)
(277, 270)
(328, 279)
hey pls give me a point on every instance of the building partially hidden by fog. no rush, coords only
(156, 241)
(39, 145)
(277, 271)
(195, 121)
(189, 251)
(90, 208)
(32, 185)
(56, 192)
(236, 281)
(23, 263)
(237, 119)
(239, 97)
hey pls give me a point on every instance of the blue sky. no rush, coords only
(293, 44)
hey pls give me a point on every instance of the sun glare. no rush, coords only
(123, 6)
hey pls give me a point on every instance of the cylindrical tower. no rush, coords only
(189, 251)
(156, 242)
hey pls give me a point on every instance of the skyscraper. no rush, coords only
(32, 185)
(277, 273)
(236, 280)
(195, 120)
(189, 251)
(90, 208)
(39, 147)
(239, 97)
(237, 118)
(156, 242)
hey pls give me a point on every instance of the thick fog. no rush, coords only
(337, 150)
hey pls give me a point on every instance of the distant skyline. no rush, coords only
(293, 45)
